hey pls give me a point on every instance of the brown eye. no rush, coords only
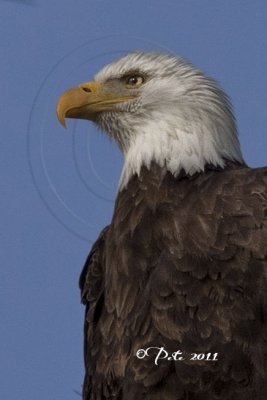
(134, 81)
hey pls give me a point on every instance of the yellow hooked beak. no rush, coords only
(86, 100)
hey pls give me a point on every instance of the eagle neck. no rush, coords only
(178, 150)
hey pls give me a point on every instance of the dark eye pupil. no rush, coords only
(132, 80)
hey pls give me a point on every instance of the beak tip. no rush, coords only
(61, 119)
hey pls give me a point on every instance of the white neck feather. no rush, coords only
(179, 146)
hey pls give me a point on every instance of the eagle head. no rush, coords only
(159, 108)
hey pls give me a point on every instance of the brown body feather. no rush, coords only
(183, 265)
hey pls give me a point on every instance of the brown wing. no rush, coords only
(185, 268)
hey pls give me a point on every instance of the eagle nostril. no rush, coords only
(86, 89)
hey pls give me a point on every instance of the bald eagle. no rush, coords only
(175, 287)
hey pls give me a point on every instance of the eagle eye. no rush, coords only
(132, 81)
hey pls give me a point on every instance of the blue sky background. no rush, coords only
(58, 186)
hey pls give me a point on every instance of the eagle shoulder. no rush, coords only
(91, 276)
(91, 286)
